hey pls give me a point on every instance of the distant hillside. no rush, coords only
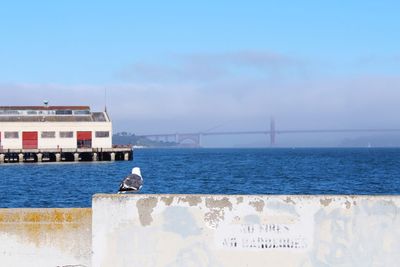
(125, 138)
(388, 140)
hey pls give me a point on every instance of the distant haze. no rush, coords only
(190, 67)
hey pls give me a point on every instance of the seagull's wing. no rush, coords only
(131, 182)
(136, 181)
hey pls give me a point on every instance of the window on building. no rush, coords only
(66, 134)
(81, 112)
(48, 134)
(10, 135)
(102, 134)
(63, 112)
(9, 112)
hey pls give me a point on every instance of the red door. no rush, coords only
(84, 139)
(29, 140)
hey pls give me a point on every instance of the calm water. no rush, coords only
(207, 171)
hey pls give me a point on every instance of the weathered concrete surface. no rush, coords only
(45, 237)
(205, 230)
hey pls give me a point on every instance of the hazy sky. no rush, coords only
(192, 65)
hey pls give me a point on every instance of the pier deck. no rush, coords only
(61, 155)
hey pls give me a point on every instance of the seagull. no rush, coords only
(132, 183)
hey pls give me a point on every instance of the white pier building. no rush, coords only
(66, 132)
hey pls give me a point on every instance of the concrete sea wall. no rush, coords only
(211, 230)
(206, 230)
(45, 237)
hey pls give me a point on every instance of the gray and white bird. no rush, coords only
(132, 183)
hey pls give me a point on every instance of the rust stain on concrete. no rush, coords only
(7, 216)
(258, 205)
(145, 208)
(39, 225)
(325, 202)
(192, 200)
(44, 215)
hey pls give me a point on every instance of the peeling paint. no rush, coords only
(258, 205)
(145, 208)
(212, 202)
(214, 217)
(289, 200)
(325, 202)
(324, 230)
(191, 200)
(216, 213)
(167, 200)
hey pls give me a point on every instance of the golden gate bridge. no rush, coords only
(195, 137)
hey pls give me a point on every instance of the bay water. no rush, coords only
(207, 171)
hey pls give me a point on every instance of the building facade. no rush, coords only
(54, 127)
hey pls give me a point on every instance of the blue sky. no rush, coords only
(170, 63)
(89, 41)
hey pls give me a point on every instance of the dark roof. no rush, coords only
(95, 116)
(44, 108)
(98, 116)
(44, 118)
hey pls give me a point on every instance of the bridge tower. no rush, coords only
(272, 134)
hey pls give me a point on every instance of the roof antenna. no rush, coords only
(105, 100)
